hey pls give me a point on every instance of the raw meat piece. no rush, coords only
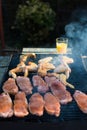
(36, 104)
(47, 66)
(54, 80)
(62, 77)
(32, 67)
(60, 68)
(61, 94)
(45, 60)
(24, 84)
(50, 80)
(52, 105)
(5, 105)
(21, 67)
(81, 100)
(52, 74)
(44, 67)
(20, 105)
(40, 84)
(64, 67)
(10, 86)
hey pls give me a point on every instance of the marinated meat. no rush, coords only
(53, 80)
(61, 94)
(60, 68)
(24, 84)
(5, 105)
(40, 84)
(20, 105)
(36, 104)
(62, 77)
(81, 100)
(52, 105)
(47, 66)
(10, 86)
(44, 67)
(22, 67)
(45, 60)
(50, 80)
(24, 57)
(63, 68)
(31, 67)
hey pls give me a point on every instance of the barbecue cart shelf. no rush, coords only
(43, 50)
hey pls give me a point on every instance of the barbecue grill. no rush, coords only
(69, 113)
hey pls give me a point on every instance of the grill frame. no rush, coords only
(69, 112)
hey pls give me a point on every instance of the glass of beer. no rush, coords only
(61, 45)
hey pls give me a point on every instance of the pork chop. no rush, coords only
(24, 84)
(36, 104)
(81, 100)
(52, 105)
(10, 86)
(5, 105)
(40, 84)
(53, 80)
(20, 105)
(50, 80)
(61, 94)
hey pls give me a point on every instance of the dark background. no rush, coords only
(63, 9)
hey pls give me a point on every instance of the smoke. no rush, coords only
(76, 31)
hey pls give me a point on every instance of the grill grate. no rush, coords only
(69, 111)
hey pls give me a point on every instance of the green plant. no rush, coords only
(35, 20)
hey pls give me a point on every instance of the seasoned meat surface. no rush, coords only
(24, 84)
(52, 105)
(61, 93)
(10, 86)
(53, 80)
(36, 104)
(81, 100)
(20, 105)
(63, 68)
(45, 60)
(40, 84)
(5, 105)
(50, 80)
(44, 65)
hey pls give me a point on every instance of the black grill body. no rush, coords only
(69, 113)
